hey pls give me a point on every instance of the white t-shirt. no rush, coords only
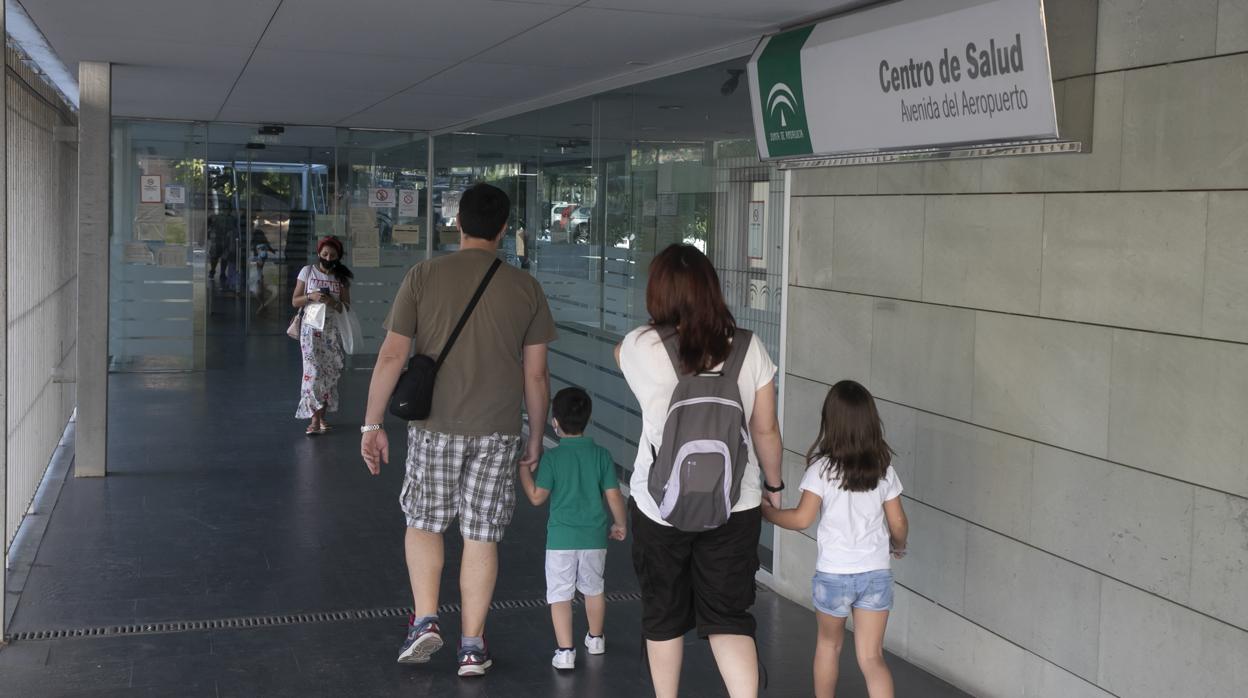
(314, 280)
(853, 535)
(652, 378)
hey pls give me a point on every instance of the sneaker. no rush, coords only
(474, 662)
(596, 645)
(564, 660)
(422, 641)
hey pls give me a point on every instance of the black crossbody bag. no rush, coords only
(413, 395)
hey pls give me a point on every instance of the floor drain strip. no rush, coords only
(247, 622)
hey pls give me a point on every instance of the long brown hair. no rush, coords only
(851, 438)
(683, 293)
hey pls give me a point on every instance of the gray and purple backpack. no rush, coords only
(695, 477)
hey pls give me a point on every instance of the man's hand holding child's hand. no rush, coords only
(618, 532)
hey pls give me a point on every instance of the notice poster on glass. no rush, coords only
(149, 213)
(150, 232)
(669, 204)
(175, 194)
(366, 238)
(381, 197)
(137, 253)
(409, 203)
(171, 256)
(366, 256)
(175, 231)
(757, 236)
(450, 204)
(149, 189)
(407, 234)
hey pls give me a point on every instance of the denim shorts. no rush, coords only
(835, 594)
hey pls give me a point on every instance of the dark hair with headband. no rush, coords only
(340, 270)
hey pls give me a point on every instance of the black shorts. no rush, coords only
(696, 580)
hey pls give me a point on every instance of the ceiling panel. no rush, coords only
(505, 80)
(220, 22)
(422, 112)
(169, 93)
(349, 71)
(259, 99)
(449, 30)
(610, 39)
(776, 12)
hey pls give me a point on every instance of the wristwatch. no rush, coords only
(370, 427)
(769, 488)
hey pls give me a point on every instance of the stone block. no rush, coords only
(1232, 26)
(978, 474)
(1220, 557)
(963, 653)
(877, 246)
(1133, 33)
(1130, 260)
(1226, 267)
(832, 341)
(1178, 408)
(1128, 524)
(984, 252)
(922, 356)
(1043, 380)
(835, 181)
(1151, 647)
(797, 556)
(810, 241)
(1100, 169)
(803, 409)
(935, 565)
(899, 432)
(1045, 604)
(1043, 679)
(1183, 124)
(934, 177)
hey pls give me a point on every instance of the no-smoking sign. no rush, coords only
(409, 203)
(381, 197)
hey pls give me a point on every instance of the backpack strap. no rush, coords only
(736, 358)
(671, 342)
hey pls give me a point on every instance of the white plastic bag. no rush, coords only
(349, 329)
(314, 316)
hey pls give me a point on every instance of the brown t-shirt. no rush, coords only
(481, 386)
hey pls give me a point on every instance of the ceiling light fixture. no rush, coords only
(670, 107)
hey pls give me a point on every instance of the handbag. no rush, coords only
(295, 326)
(413, 394)
(314, 314)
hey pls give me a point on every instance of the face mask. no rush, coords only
(329, 264)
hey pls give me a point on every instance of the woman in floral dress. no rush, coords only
(329, 282)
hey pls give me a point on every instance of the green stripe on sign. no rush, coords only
(780, 94)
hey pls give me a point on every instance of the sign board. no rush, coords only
(757, 240)
(409, 203)
(669, 204)
(381, 197)
(408, 234)
(905, 75)
(149, 189)
(175, 194)
(450, 204)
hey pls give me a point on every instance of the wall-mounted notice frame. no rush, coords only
(149, 189)
(904, 76)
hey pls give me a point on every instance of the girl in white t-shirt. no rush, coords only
(853, 490)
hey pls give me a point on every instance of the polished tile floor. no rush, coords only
(217, 506)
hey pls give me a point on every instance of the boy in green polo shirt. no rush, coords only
(574, 477)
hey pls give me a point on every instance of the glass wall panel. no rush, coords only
(157, 246)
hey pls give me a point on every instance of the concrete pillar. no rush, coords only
(94, 205)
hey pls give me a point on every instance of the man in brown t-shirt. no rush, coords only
(461, 461)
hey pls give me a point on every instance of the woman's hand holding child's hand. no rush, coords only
(618, 532)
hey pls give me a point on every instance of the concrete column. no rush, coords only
(94, 206)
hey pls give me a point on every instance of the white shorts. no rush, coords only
(569, 571)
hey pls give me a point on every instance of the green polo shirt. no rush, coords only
(577, 473)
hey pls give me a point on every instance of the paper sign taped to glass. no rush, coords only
(407, 234)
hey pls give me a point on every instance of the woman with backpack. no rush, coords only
(708, 402)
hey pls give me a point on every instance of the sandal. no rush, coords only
(325, 428)
(312, 431)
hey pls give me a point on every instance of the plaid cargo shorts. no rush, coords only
(449, 475)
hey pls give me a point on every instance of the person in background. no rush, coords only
(329, 282)
(854, 492)
(575, 477)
